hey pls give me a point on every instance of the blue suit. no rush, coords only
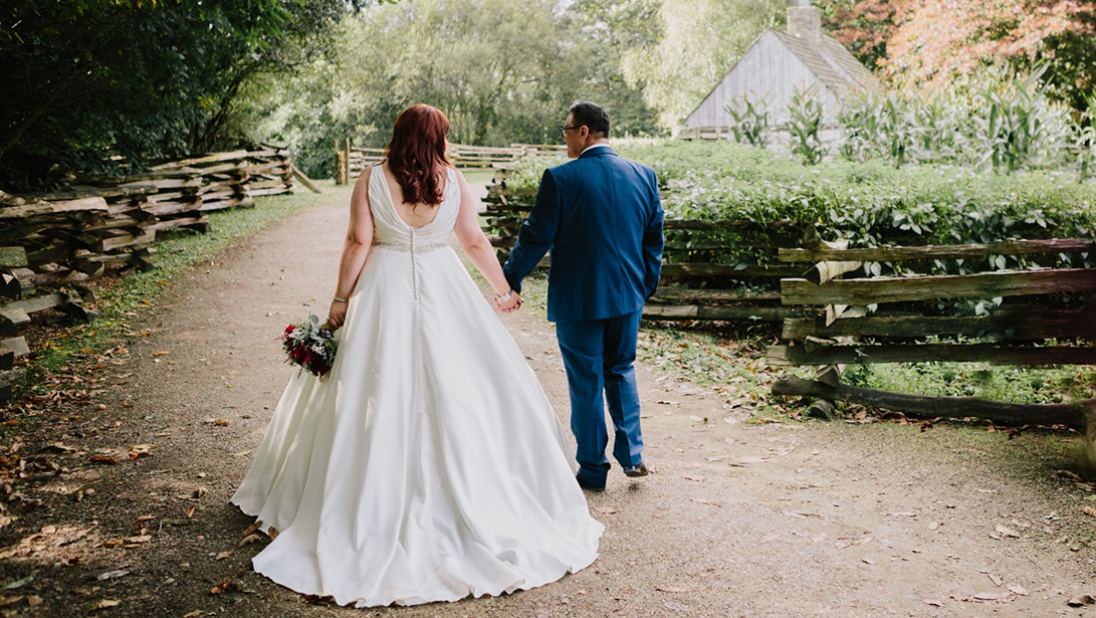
(601, 217)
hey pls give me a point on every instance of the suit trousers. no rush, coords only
(599, 356)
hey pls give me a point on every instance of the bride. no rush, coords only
(428, 465)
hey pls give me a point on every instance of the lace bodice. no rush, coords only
(392, 232)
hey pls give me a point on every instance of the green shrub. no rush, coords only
(870, 203)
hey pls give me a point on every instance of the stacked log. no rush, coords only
(51, 242)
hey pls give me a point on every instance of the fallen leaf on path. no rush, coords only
(19, 583)
(986, 596)
(1006, 531)
(1070, 474)
(698, 479)
(225, 555)
(997, 581)
(674, 588)
(867, 561)
(800, 515)
(608, 510)
(112, 575)
(932, 602)
(107, 603)
(252, 528)
(144, 538)
(1018, 589)
(190, 512)
(1081, 599)
(6, 600)
(842, 543)
(249, 539)
(1088, 510)
(100, 459)
(708, 502)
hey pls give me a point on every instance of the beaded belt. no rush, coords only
(408, 247)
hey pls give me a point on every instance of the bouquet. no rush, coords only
(311, 345)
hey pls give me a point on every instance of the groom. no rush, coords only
(601, 217)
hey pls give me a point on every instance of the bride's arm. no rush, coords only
(474, 241)
(359, 239)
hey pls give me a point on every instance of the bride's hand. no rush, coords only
(337, 314)
(511, 305)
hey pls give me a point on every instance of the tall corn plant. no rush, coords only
(750, 120)
(938, 121)
(861, 128)
(805, 126)
(1084, 137)
(1016, 126)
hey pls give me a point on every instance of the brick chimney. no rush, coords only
(805, 22)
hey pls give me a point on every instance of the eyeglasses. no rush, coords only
(564, 129)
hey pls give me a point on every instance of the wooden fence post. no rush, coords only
(338, 164)
(346, 162)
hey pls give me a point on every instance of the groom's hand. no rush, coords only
(511, 305)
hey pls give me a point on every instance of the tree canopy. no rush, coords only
(91, 83)
(137, 79)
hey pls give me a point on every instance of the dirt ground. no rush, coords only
(739, 518)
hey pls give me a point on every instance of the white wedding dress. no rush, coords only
(428, 465)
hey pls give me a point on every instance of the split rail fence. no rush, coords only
(351, 160)
(51, 242)
(1046, 316)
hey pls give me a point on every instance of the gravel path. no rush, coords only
(738, 519)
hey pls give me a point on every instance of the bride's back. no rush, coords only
(416, 215)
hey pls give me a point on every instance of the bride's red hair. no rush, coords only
(417, 156)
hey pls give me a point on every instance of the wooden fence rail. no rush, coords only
(351, 160)
(1053, 307)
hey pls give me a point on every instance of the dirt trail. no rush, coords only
(738, 519)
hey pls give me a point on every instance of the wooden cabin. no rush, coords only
(777, 64)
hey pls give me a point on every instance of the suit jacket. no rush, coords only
(601, 216)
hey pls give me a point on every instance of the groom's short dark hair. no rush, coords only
(592, 115)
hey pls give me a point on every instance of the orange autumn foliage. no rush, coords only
(934, 42)
(937, 41)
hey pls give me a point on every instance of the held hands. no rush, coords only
(510, 305)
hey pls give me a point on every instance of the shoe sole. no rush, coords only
(636, 474)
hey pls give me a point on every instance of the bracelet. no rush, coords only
(341, 300)
(505, 297)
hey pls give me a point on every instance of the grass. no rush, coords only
(1011, 384)
(120, 298)
(478, 177)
